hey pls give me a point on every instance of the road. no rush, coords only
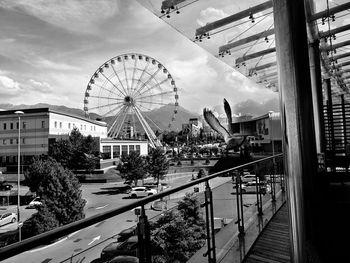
(87, 244)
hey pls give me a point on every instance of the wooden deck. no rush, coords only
(272, 245)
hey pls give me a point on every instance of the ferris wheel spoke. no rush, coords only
(144, 107)
(143, 73)
(155, 124)
(124, 113)
(112, 83)
(116, 108)
(148, 80)
(133, 76)
(152, 87)
(156, 94)
(101, 87)
(126, 78)
(102, 97)
(121, 83)
(151, 102)
(107, 105)
(134, 123)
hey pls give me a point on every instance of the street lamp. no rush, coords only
(19, 113)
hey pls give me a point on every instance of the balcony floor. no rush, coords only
(272, 245)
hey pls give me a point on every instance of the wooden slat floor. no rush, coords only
(272, 245)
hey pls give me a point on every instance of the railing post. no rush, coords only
(144, 242)
(239, 200)
(273, 182)
(209, 222)
(258, 195)
(209, 197)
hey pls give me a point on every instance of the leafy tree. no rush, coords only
(60, 192)
(157, 164)
(76, 152)
(132, 167)
(178, 234)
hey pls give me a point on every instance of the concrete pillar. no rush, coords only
(297, 120)
(317, 98)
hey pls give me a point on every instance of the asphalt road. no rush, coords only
(87, 244)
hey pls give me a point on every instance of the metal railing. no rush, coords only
(270, 168)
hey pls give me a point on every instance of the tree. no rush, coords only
(132, 167)
(157, 164)
(77, 152)
(178, 234)
(60, 192)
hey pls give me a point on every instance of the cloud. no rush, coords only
(73, 15)
(40, 86)
(9, 85)
(47, 64)
(209, 15)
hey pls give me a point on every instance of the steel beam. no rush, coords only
(252, 70)
(335, 46)
(333, 31)
(332, 11)
(235, 17)
(246, 40)
(170, 3)
(341, 56)
(255, 55)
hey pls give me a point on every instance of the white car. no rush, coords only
(141, 191)
(34, 203)
(248, 178)
(7, 218)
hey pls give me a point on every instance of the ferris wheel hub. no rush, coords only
(128, 101)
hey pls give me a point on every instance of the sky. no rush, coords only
(50, 49)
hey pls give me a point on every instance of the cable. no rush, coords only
(258, 40)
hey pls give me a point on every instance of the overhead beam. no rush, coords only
(235, 17)
(170, 3)
(246, 40)
(265, 76)
(335, 46)
(332, 11)
(340, 56)
(255, 55)
(334, 31)
(339, 73)
(252, 70)
(347, 63)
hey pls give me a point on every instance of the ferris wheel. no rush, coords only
(125, 90)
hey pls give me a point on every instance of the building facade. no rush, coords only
(40, 127)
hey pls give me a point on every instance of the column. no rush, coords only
(297, 120)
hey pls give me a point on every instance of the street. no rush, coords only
(86, 245)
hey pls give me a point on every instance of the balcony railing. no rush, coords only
(229, 200)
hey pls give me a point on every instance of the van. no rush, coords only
(250, 187)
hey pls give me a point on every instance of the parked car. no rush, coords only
(141, 191)
(126, 248)
(250, 187)
(248, 178)
(7, 218)
(34, 203)
(5, 186)
(124, 259)
(126, 233)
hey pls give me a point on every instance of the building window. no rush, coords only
(69, 125)
(81, 127)
(42, 124)
(55, 124)
(131, 148)
(24, 125)
(94, 128)
(11, 141)
(17, 141)
(138, 149)
(60, 125)
(106, 152)
(4, 141)
(5, 126)
(84, 127)
(91, 127)
(116, 151)
(11, 126)
(23, 140)
(124, 150)
(17, 125)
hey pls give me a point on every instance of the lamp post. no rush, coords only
(19, 113)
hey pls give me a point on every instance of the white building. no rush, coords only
(40, 127)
